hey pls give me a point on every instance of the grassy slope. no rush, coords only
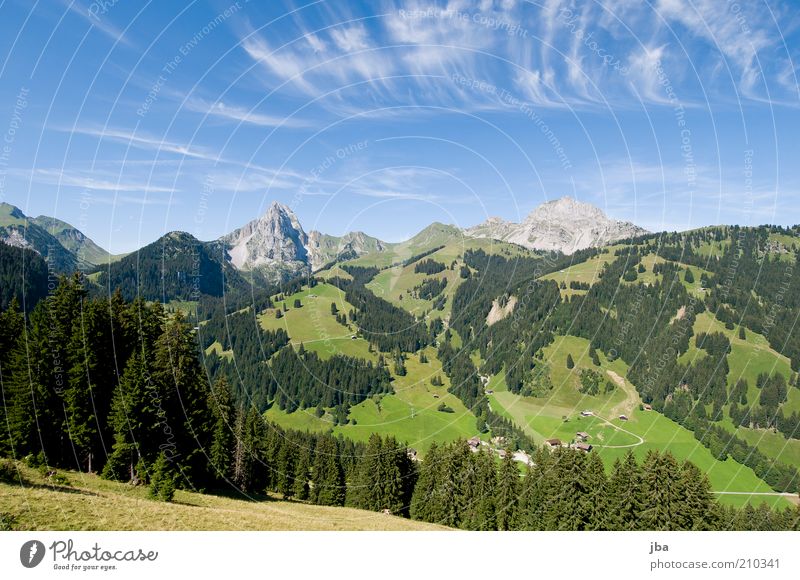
(410, 413)
(396, 285)
(748, 359)
(587, 271)
(92, 503)
(315, 326)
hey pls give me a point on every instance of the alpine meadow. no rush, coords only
(489, 266)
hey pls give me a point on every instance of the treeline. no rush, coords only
(301, 380)
(245, 347)
(747, 265)
(428, 267)
(97, 384)
(381, 323)
(570, 490)
(430, 288)
(175, 267)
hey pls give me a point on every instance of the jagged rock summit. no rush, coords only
(275, 237)
(277, 246)
(566, 225)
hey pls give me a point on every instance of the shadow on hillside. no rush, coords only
(240, 495)
(59, 488)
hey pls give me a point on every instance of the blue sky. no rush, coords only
(132, 119)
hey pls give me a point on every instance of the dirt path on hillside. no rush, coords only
(792, 497)
(618, 428)
(631, 401)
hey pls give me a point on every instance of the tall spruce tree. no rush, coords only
(426, 504)
(222, 442)
(627, 501)
(663, 492)
(327, 476)
(186, 421)
(136, 418)
(507, 492)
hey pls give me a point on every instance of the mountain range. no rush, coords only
(276, 247)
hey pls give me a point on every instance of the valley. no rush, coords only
(627, 347)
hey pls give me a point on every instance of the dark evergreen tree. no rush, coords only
(222, 442)
(327, 476)
(507, 492)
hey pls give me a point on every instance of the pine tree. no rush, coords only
(538, 489)
(136, 420)
(568, 510)
(508, 490)
(595, 357)
(369, 485)
(301, 474)
(426, 504)
(479, 492)
(186, 420)
(285, 470)
(698, 507)
(689, 276)
(12, 326)
(625, 488)
(597, 504)
(663, 492)
(162, 480)
(570, 362)
(223, 440)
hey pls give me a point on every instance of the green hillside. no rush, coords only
(91, 503)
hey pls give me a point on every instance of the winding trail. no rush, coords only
(618, 428)
(792, 497)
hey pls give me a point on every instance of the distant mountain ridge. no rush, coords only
(565, 225)
(74, 240)
(275, 247)
(64, 246)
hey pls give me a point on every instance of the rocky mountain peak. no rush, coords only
(274, 239)
(565, 224)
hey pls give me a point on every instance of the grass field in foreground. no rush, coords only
(91, 503)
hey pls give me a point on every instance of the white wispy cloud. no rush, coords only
(141, 140)
(552, 53)
(91, 181)
(135, 200)
(100, 22)
(220, 109)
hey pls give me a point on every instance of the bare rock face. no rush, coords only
(324, 248)
(16, 239)
(276, 245)
(564, 225)
(274, 242)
